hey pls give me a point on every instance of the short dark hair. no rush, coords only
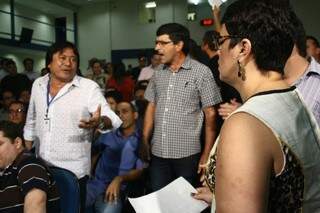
(132, 106)
(208, 39)
(95, 60)
(315, 41)
(21, 103)
(115, 94)
(11, 130)
(119, 72)
(260, 21)
(27, 59)
(177, 33)
(59, 47)
(4, 91)
(139, 87)
(3, 61)
(9, 62)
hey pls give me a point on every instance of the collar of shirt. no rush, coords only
(136, 133)
(44, 81)
(17, 160)
(185, 65)
(314, 67)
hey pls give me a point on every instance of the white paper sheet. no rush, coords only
(173, 198)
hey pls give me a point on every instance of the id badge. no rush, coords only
(47, 124)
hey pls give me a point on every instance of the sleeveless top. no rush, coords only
(297, 187)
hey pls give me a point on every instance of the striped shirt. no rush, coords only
(26, 173)
(309, 87)
(179, 98)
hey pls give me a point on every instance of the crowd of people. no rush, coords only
(238, 117)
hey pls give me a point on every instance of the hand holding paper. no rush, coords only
(175, 197)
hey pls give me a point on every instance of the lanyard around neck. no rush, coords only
(48, 97)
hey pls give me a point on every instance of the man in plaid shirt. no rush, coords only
(181, 94)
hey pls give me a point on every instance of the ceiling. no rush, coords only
(84, 2)
(62, 7)
(48, 6)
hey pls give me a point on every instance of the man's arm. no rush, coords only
(113, 190)
(29, 128)
(148, 121)
(35, 201)
(147, 131)
(106, 116)
(216, 16)
(210, 135)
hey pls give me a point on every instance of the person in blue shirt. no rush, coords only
(118, 164)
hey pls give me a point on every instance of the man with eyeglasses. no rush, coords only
(64, 109)
(181, 94)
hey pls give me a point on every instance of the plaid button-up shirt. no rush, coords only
(179, 98)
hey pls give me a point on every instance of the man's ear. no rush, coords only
(204, 46)
(136, 115)
(179, 46)
(18, 143)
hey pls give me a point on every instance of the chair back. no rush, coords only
(68, 186)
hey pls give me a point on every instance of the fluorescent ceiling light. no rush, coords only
(195, 2)
(151, 4)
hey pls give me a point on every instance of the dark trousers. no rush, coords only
(165, 170)
(83, 192)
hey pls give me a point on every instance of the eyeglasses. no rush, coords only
(162, 43)
(219, 40)
(11, 111)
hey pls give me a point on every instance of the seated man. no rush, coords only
(118, 163)
(25, 183)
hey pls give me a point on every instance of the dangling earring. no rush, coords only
(241, 72)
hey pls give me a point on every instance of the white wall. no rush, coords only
(196, 30)
(109, 26)
(309, 12)
(114, 26)
(104, 27)
(18, 55)
(93, 34)
(5, 18)
(40, 31)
